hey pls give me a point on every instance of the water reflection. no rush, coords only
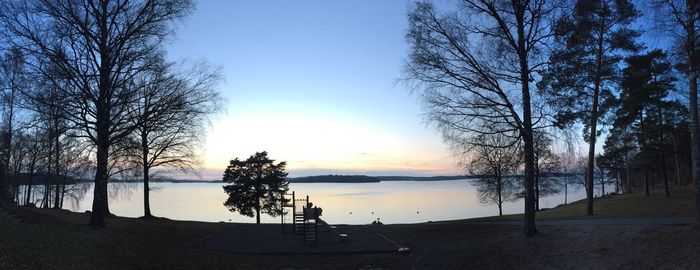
(75, 194)
(342, 203)
(358, 193)
(122, 191)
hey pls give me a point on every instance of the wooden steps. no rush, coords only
(310, 232)
(298, 224)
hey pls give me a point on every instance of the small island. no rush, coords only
(335, 179)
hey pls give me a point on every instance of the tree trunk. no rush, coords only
(47, 191)
(529, 149)
(695, 132)
(662, 147)
(146, 193)
(500, 197)
(146, 176)
(644, 151)
(257, 215)
(27, 192)
(675, 156)
(63, 190)
(57, 199)
(591, 154)
(593, 126)
(627, 175)
(29, 183)
(646, 182)
(537, 186)
(97, 219)
(99, 203)
(692, 73)
(566, 191)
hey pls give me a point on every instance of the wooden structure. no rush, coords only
(305, 217)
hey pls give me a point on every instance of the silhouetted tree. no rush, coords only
(678, 120)
(680, 19)
(33, 143)
(495, 158)
(474, 69)
(601, 173)
(582, 73)
(170, 113)
(571, 169)
(95, 48)
(14, 80)
(256, 185)
(618, 149)
(646, 83)
(546, 165)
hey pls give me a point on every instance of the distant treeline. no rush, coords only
(423, 178)
(41, 178)
(373, 179)
(176, 181)
(370, 179)
(335, 179)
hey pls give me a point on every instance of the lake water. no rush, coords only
(342, 203)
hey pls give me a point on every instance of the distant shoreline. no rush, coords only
(313, 179)
(322, 179)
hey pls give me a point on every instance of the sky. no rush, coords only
(315, 83)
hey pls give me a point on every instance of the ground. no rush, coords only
(59, 239)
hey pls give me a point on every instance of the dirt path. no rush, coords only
(560, 244)
(269, 239)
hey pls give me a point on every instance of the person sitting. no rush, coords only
(312, 213)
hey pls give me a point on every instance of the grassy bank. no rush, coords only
(59, 239)
(633, 205)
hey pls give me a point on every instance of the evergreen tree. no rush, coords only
(646, 83)
(256, 185)
(583, 71)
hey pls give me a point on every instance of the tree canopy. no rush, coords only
(256, 186)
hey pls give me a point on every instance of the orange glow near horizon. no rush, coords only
(312, 142)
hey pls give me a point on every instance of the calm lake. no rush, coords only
(342, 203)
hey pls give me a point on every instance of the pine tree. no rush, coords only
(646, 83)
(257, 185)
(583, 71)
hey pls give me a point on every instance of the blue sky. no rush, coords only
(313, 83)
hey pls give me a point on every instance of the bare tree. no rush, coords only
(170, 113)
(75, 164)
(95, 48)
(474, 69)
(14, 80)
(33, 155)
(495, 158)
(546, 165)
(570, 173)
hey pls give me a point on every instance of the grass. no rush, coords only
(634, 205)
(60, 239)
